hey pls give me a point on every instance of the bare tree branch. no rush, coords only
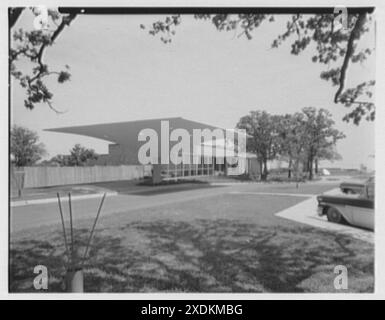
(53, 108)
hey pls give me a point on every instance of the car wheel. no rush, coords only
(334, 215)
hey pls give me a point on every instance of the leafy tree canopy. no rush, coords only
(335, 48)
(307, 135)
(25, 147)
(32, 45)
(79, 156)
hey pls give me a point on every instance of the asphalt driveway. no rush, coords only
(35, 215)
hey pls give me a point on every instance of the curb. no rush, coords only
(22, 203)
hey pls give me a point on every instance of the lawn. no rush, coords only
(226, 243)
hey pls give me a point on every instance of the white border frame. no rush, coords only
(380, 150)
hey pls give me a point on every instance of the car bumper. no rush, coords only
(320, 211)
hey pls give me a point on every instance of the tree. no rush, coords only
(326, 153)
(264, 141)
(25, 147)
(31, 45)
(335, 48)
(79, 156)
(320, 134)
(60, 160)
(307, 137)
(292, 140)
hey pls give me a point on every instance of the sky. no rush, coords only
(121, 73)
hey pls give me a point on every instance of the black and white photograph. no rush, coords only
(179, 150)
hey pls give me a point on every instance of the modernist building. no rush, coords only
(124, 138)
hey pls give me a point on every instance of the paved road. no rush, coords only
(31, 216)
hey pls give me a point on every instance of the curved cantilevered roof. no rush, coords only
(126, 133)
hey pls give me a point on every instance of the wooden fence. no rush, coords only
(54, 176)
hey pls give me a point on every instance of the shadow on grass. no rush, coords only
(201, 256)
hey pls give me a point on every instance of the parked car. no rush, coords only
(356, 209)
(355, 187)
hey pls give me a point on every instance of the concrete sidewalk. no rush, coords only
(306, 212)
(63, 199)
(31, 216)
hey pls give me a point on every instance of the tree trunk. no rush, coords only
(310, 168)
(290, 165)
(265, 172)
(296, 171)
(316, 165)
(305, 166)
(261, 168)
